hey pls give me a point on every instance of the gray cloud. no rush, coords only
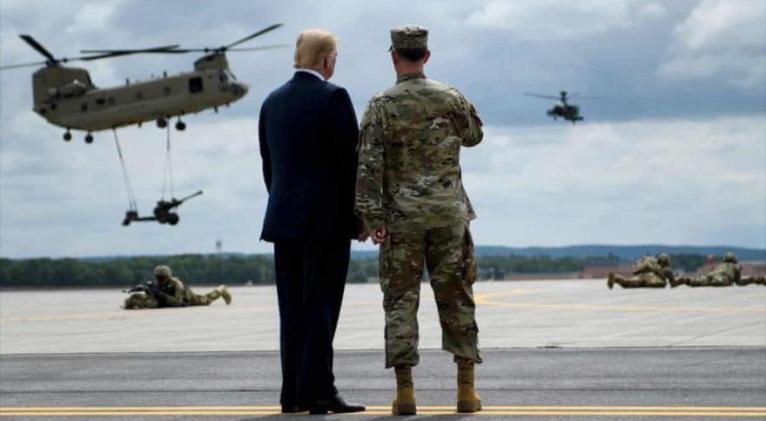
(721, 38)
(665, 156)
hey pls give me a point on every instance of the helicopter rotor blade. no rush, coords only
(161, 49)
(36, 45)
(187, 50)
(15, 66)
(578, 97)
(541, 95)
(251, 36)
(265, 47)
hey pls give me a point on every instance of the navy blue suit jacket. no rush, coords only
(308, 134)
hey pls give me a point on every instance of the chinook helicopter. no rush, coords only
(565, 110)
(66, 96)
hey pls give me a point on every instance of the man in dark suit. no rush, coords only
(308, 135)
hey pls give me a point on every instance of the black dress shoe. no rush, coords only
(294, 409)
(336, 405)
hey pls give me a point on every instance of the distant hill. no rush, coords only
(578, 251)
(623, 252)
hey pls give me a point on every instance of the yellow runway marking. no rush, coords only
(499, 410)
(489, 298)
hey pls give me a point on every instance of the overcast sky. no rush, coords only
(672, 152)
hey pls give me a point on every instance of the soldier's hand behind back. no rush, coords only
(379, 235)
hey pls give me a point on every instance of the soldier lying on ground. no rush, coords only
(648, 272)
(169, 291)
(724, 274)
(747, 280)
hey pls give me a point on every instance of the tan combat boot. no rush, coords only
(224, 293)
(404, 404)
(467, 399)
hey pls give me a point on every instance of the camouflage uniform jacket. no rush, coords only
(731, 272)
(649, 264)
(409, 156)
(178, 294)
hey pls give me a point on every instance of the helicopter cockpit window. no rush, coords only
(195, 84)
(223, 77)
(73, 89)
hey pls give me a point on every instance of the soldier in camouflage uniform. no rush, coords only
(411, 199)
(171, 292)
(724, 274)
(648, 272)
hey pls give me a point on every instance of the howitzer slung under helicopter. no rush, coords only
(67, 97)
(564, 109)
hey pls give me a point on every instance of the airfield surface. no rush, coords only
(568, 350)
(528, 314)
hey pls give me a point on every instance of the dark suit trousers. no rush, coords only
(311, 277)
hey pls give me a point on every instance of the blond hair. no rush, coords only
(313, 46)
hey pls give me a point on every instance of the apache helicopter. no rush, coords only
(66, 96)
(565, 110)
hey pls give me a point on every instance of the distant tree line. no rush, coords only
(259, 269)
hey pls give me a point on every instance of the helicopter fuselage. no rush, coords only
(566, 111)
(77, 104)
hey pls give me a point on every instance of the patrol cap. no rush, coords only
(729, 257)
(409, 37)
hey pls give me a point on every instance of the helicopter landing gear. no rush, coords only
(180, 125)
(89, 138)
(162, 122)
(67, 136)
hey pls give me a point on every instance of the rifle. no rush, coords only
(150, 288)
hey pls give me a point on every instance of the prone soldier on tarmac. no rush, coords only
(169, 291)
(724, 274)
(648, 272)
(411, 199)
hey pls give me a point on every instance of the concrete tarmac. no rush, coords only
(553, 350)
(529, 314)
(560, 384)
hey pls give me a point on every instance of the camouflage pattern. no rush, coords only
(181, 295)
(409, 156)
(448, 254)
(140, 300)
(409, 180)
(755, 280)
(648, 272)
(163, 271)
(176, 295)
(724, 274)
(409, 37)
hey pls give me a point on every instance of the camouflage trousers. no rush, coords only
(204, 300)
(448, 254)
(709, 280)
(757, 280)
(643, 280)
